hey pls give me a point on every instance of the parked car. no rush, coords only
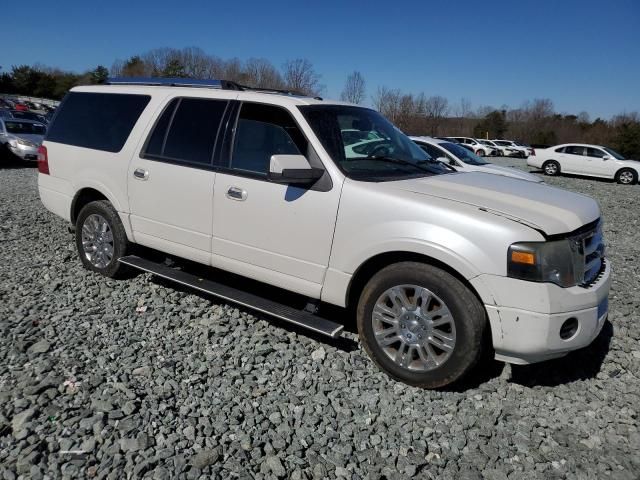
(21, 107)
(497, 149)
(462, 160)
(435, 265)
(585, 159)
(514, 149)
(21, 138)
(29, 116)
(475, 146)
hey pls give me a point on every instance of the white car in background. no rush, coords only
(477, 147)
(516, 149)
(497, 149)
(584, 159)
(462, 160)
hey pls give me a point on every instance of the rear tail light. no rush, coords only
(43, 160)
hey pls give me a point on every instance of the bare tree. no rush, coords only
(260, 73)
(435, 109)
(300, 76)
(354, 88)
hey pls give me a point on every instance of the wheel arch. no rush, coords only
(377, 262)
(622, 169)
(91, 193)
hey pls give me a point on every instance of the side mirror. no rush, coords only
(293, 170)
(606, 157)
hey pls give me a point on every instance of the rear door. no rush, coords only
(171, 180)
(574, 160)
(278, 234)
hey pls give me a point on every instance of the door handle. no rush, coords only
(235, 193)
(141, 174)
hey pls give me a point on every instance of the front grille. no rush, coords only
(591, 248)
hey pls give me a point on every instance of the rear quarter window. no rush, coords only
(100, 121)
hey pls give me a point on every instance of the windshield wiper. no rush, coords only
(399, 161)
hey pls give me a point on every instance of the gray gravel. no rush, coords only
(194, 388)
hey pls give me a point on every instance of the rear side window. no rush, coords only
(186, 131)
(100, 121)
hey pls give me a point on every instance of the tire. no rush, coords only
(107, 243)
(481, 153)
(627, 176)
(551, 168)
(463, 319)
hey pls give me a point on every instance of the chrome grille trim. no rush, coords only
(591, 248)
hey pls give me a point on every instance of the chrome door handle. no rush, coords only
(141, 174)
(235, 193)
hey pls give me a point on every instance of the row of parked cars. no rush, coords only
(493, 148)
(23, 125)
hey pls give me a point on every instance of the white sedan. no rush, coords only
(463, 160)
(584, 159)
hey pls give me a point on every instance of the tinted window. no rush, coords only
(574, 150)
(101, 121)
(262, 131)
(192, 133)
(432, 151)
(155, 144)
(25, 128)
(595, 152)
(560, 150)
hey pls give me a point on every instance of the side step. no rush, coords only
(254, 302)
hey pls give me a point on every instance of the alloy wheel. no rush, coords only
(97, 241)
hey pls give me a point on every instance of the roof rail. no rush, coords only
(174, 82)
(198, 83)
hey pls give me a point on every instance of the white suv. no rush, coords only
(435, 265)
(477, 147)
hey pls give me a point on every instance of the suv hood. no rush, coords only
(548, 209)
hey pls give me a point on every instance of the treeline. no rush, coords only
(534, 121)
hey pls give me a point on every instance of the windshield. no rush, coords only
(380, 151)
(24, 128)
(614, 154)
(463, 154)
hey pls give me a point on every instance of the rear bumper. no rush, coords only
(524, 336)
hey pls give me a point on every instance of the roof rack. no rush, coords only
(198, 83)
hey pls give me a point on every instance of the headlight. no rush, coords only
(556, 262)
(13, 142)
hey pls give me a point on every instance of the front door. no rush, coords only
(171, 181)
(275, 233)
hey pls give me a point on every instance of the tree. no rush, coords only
(99, 74)
(260, 73)
(134, 67)
(173, 69)
(493, 125)
(436, 108)
(354, 88)
(299, 76)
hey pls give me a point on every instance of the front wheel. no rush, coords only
(421, 325)
(626, 176)
(101, 239)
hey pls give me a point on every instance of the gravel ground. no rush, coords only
(137, 378)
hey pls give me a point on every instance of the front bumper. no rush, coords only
(25, 152)
(532, 334)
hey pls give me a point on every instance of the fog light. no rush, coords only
(569, 328)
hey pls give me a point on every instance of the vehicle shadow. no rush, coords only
(13, 164)
(581, 364)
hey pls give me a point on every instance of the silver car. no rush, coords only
(21, 137)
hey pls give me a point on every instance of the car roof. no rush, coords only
(203, 92)
(433, 140)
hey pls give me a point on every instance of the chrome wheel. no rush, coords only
(626, 177)
(97, 241)
(413, 327)
(551, 168)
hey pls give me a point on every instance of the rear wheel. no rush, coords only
(101, 239)
(420, 324)
(626, 176)
(551, 168)
(481, 153)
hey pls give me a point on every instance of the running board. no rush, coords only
(249, 300)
